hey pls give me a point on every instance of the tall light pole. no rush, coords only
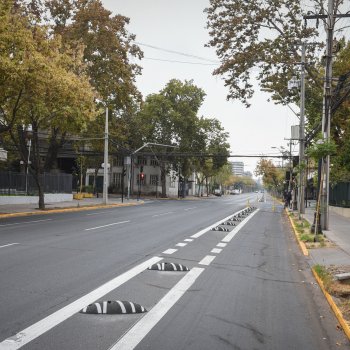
(301, 187)
(105, 165)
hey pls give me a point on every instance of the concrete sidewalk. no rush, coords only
(10, 209)
(339, 233)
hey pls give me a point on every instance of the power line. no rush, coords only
(177, 52)
(186, 62)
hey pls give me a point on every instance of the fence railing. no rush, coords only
(13, 183)
(339, 195)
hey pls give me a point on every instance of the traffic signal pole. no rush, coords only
(105, 167)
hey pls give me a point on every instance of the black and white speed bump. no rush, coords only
(229, 223)
(219, 228)
(113, 307)
(166, 266)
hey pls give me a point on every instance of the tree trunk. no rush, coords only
(163, 180)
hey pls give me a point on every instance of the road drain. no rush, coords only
(166, 266)
(113, 307)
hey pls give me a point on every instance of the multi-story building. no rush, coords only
(237, 168)
(150, 182)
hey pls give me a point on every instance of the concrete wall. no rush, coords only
(49, 198)
(341, 211)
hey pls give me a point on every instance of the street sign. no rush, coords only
(295, 132)
(127, 160)
(3, 154)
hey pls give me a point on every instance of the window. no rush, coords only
(118, 161)
(154, 161)
(117, 179)
(141, 160)
(153, 180)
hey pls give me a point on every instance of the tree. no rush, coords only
(50, 90)
(170, 118)
(250, 35)
(272, 177)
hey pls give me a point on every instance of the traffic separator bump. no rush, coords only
(113, 307)
(166, 266)
(219, 228)
(229, 223)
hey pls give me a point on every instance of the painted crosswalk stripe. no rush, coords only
(181, 244)
(188, 240)
(207, 260)
(221, 245)
(216, 250)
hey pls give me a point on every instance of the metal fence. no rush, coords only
(339, 195)
(13, 183)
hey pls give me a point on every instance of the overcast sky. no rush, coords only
(180, 25)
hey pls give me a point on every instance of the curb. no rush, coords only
(301, 243)
(333, 305)
(69, 209)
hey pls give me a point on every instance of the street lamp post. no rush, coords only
(105, 165)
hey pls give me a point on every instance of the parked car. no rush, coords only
(217, 192)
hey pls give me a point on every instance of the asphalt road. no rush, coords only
(249, 288)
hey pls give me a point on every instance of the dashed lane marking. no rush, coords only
(37, 329)
(134, 336)
(216, 250)
(190, 208)
(221, 245)
(181, 244)
(188, 240)
(169, 251)
(207, 260)
(7, 245)
(228, 238)
(114, 223)
(24, 222)
(167, 213)
(202, 232)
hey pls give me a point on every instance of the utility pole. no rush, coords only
(326, 115)
(301, 187)
(105, 165)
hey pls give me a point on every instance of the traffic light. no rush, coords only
(142, 176)
(141, 169)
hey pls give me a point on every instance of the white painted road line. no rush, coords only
(24, 222)
(134, 336)
(169, 212)
(7, 245)
(202, 232)
(37, 329)
(216, 250)
(236, 229)
(97, 213)
(188, 240)
(190, 208)
(207, 260)
(114, 223)
(221, 245)
(169, 251)
(181, 244)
